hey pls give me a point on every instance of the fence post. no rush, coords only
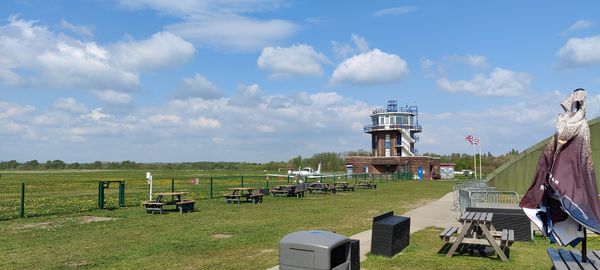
(267, 182)
(242, 181)
(288, 178)
(211, 187)
(100, 195)
(122, 194)
(172, 184)
(22, 212)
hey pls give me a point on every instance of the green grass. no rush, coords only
(134, 239)
(422, 253)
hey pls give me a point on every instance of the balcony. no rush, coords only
(371, 128)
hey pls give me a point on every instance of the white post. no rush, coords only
(474, 161)
(149, 177)
(480, 166)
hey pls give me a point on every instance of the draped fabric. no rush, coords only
(563, 195)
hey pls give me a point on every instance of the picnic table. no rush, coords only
(366, 185)
(343, 186)
(287, 191)
(182, 205)
(563, 259)
(321, 188)
(477, 229)
(237, 193)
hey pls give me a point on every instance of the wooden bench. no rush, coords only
(506, 239)
(447, 233)
(255, 197)
(563, 259)
(232, 198)
(186, 205)
(154, 206)
(299, 193)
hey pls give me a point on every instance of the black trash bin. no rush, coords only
(390, 234)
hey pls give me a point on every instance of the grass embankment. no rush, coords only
(422, 253)
(216, 236)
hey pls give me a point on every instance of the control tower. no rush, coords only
(394, 130)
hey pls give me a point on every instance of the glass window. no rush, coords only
(388, 144)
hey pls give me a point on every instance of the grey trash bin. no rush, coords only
(315, 250)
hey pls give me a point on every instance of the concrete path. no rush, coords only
(440, 213)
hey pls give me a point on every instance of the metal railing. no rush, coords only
(487, 199)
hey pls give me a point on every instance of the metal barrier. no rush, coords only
(469, 185)
(487, 199)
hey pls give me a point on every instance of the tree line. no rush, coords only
(330, 162)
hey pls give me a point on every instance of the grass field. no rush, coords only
(64, 228)
(425, 244)
(216, 236)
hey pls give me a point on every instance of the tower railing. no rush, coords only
(413, 127)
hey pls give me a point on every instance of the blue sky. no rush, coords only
(263, 80)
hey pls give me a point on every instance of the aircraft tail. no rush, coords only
(319, 169)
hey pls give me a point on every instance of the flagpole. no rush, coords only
(474, 161)
(480, 166)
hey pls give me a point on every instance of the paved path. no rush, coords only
(440, 213)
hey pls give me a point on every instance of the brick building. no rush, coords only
(393, 137)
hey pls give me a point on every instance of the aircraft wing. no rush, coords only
(279, 175)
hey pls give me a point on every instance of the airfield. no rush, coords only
(63, 227)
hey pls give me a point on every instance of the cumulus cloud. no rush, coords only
(265, 128)
(70, 104)
(370, 68)
(204, 122)
(357, 45)
(96, 115)
(197, 86)
(395, 11)
(33, 55)
(164, 120)
(578, 52)
(83, 30)
(299, 59)
(247, 96)
(473, 61)
(500, 82)
(111, 96)
(163, 49)
(501, 127)
(222, 24)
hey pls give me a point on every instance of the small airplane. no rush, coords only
(301, 172)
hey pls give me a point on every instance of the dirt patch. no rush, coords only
(37, 225)
(221, 236)
(266, 251)
(91, 219)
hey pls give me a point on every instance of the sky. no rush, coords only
(268, 80)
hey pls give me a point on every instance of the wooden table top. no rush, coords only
(171, 193)
(241, 188)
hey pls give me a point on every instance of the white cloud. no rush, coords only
(357, 45)
(164, 120)
(578, 26)
(197, 86)
(222, 25)
(370, 68)
(70, 104)
(163, 49)
(265, 128)
(9, 110)
(204, 122)
(395, 11)
(500, 82)
(247, 96)
(96, 115)
(218, 140)
(111, 96)
(579, 52)
(234, 32)
(87, 31)
(299, 59)
(33, 55)
(473, 61)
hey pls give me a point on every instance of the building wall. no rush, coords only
(381, 165)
